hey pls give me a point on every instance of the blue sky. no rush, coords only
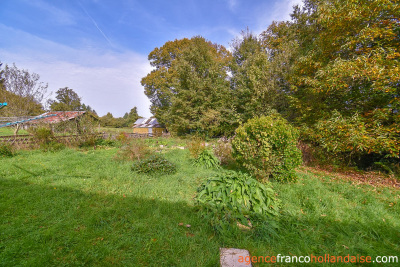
(99, 48)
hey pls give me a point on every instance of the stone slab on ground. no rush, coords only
(229, 257)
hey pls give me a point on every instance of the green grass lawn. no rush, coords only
(84, 208)
(115, 130)
(10, 131)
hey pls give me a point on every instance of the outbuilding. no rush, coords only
(148, 126)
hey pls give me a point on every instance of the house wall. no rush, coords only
(140, 130)
(158, 131)
(155, 131)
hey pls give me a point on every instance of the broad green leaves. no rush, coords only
(236, 196)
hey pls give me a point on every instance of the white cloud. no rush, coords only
(107, 81)
(232, 4)
(282, 9)
(279, 12)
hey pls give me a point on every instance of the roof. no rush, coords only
(147, 123)
(61, 116)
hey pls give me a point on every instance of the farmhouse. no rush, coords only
(148, 126)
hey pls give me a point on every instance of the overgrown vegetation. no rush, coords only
(196, 146)
(6, 150)
(231, 197)
(333, 64)
(44, 136)
(266, 147)
(155, 164)
(207, 159)
(81, 207)
(133, 150)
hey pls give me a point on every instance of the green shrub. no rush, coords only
(207, 159)
(236, 197)
(6, 150)
(43, 135)
(155, 164)
(266, 147)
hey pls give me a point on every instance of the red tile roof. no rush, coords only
(61, 116)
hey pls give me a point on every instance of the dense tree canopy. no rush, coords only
(333, 69)
(189, 87)
(127, 120)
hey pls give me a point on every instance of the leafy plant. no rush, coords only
(154, 164)
(234, 196)
(266, 147)
(6, 150)
(207, 159)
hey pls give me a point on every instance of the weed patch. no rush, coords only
(155, 164)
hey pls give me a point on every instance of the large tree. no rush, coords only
(23, 91)
(131, 117)
(68, 100)
(345, 56)
(256, 89)
(189, 88)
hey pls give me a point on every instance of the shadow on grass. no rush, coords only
(47, 226)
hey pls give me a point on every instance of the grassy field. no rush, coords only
(84, 208)
(6, 131)
(115, 130)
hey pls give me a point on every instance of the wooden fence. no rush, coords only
(24, 141)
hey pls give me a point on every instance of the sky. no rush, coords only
(99, 48)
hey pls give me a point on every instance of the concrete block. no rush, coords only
(234, 257)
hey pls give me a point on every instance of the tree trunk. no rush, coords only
(17, 127)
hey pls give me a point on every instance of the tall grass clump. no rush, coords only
(196, 146)
(6, 150)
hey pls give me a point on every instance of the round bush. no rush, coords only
(266, 147)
